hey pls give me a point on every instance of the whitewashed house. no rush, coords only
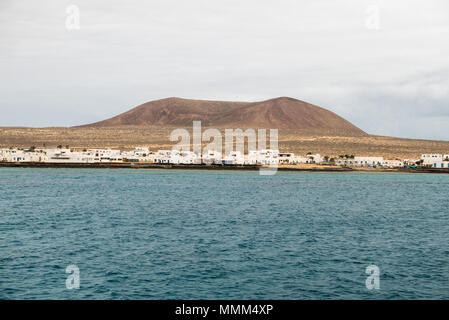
(105, 155)
(393, 164)
(269, 156)
(345, 162)
(441, 164)
(184, 157)
(212, 157)
(286, 158)
(314, 158)
(139, 154)
(18, 155)
(430, 159)
(438, 161)
(262, 157)
(68, 156)
(235, 158)
(360, 161)
(6, 155)
(57, 155)
(162, 156)
(368, 161)
(411, 162)
(141, 151)
(301, 159)
(252, 158)
(143, 154)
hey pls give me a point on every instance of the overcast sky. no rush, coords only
(383, 65)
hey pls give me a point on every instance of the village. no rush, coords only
(210, 157)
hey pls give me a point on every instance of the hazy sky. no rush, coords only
(383, 65)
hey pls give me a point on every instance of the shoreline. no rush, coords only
(134, 165)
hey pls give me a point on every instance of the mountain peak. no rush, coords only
(280, 113)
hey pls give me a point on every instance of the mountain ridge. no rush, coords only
(280, 113)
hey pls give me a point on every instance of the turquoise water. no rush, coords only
(181, 234)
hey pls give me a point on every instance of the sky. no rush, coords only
(383, 65)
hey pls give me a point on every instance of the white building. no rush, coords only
(105, 155)
(314, 158)
(393, 164)
(162, 156)
(286, 158)
(441, 165)
(234, 157)
(269, 156)
(360, 161)
(430, 159)
(368, 161)
(411, 162)
(262, 157)
(139, 154)
(435, 160)
(212, 157)
(7, 155)
(57, 155)
(184, 157)
(301, 159)
(16, 155)
(67, 156)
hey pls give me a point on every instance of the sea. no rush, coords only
(200, 234)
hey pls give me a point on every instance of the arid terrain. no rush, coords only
(295, 141)
(303, 128)
(279, 113)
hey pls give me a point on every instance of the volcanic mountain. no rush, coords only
(281, 113)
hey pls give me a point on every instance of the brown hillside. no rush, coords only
(281, 113)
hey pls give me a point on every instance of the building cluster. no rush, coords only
(258, 157)
(372, 162)
(142, 154)
(139, 154)
(435, 160)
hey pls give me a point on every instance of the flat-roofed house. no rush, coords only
(234, 158)
(262, 157)
(286, 158)
(211, 157)
(163, 156)
(393, 164)
(431, 158)
(368, 161)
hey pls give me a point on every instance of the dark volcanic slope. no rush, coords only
(281, 113)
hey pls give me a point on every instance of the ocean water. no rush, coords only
(190, 234)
